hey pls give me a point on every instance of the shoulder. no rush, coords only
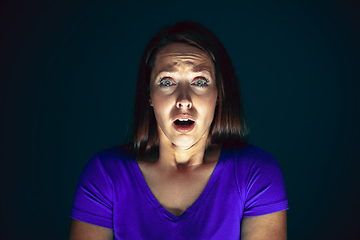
(109, 160)
(249, 154)
(106, 168)
(113, 154)
(259, 180)
(251, 162)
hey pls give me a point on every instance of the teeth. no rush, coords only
(182, 120)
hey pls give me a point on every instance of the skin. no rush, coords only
(266, 227)
(85, 231)
(182, 82)
(186, 160)
(182, 67)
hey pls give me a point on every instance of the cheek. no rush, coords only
(207, 105)
(210, 99)
(159, 101)
(161, 106)
(212, 103)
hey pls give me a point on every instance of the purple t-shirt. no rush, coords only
(113, 193)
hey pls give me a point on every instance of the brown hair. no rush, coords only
(228, 126)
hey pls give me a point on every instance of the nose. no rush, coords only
(183, 103)
(184, 99)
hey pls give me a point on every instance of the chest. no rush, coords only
(177, 191)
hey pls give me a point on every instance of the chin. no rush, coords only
(183, 145)
(183, 142)
(186, 141)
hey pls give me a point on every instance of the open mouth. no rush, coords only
(183, 122)
(184, 125)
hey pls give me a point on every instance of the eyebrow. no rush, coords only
(197, 68)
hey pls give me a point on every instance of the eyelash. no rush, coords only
(205, 81)
(205, 84)
(163, 80)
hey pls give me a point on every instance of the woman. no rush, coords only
(188, 172)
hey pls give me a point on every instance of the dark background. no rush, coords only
(67, 80)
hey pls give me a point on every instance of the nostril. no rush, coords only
(185, 104)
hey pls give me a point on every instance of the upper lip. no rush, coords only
(184, 116)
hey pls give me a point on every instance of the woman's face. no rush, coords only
(183, 94)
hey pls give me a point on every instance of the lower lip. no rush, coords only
(184, 129)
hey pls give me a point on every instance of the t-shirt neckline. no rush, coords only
(163, 211)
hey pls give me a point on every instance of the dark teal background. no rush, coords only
(67, 80)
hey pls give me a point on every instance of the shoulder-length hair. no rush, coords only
(228, 127)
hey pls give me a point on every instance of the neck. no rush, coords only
(180, 158)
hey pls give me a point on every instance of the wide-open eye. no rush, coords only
(201, 82)
(166, 82)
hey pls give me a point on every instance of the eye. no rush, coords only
(201, 82)
(165, 82)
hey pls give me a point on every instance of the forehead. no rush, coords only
(177, 56)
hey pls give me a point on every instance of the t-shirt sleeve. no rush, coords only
(264, 187)
(93, 201)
